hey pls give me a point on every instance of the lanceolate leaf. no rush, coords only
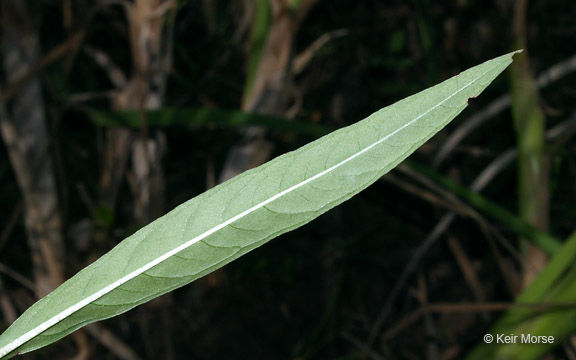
(229, 220)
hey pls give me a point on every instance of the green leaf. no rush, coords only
(239, 215)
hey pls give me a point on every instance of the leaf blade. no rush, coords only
(230, 220)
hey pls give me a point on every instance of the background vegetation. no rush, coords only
(114, 112)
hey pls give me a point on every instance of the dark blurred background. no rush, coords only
(115, 111)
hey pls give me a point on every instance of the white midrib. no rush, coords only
(86, 301)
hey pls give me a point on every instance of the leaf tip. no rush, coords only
(516, 52)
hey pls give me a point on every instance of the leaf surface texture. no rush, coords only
(243, 213)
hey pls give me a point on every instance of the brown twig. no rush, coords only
(114, 73)
(371, 354)
(428, 196)
(15, 275)
(467, 268)
(111, 342)
(302, 60)
(432, 352)
(54, 54)
(6, 305)
(11, 224)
